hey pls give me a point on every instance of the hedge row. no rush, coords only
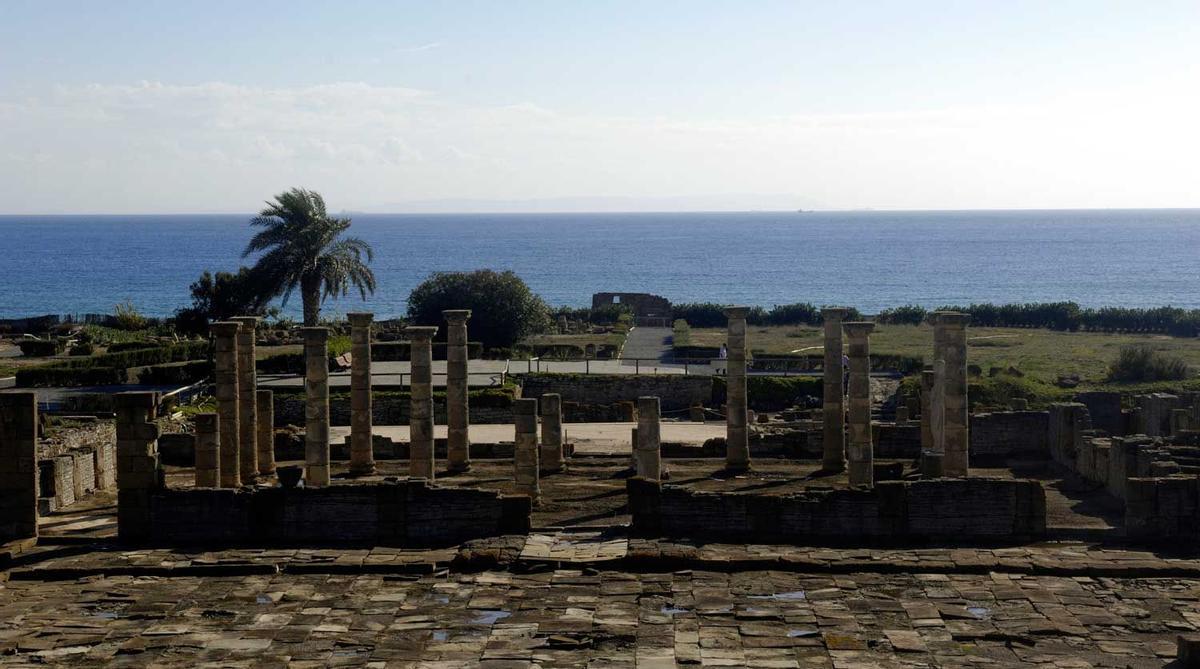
(40, 348)
(106, 369)
(712, 315)
(185, 374)
(772, 393)
(390, 351)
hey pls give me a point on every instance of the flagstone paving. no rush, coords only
(591, 618)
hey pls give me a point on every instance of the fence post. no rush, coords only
(637, 365)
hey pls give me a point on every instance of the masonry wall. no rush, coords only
(1007, 434)
(953, 510)
(406, 512)
(676, 391)
(289, 410)
(1163, 509)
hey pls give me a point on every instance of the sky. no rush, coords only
(197, 107)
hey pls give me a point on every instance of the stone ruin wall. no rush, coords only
(936, 509)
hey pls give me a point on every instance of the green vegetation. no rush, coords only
(504, 310)
(127, 317)
(40, 348)
(772, 393)
(220, 297)
(681, 333)
(290, 360)
(1142, 363)
(106, 369)
(710, 314)
(304, 249)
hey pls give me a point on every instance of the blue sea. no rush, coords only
(869, 260)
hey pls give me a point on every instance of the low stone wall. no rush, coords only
(289, 410)
(1001, 435)
(1163, 509)
(675, 391)
(952, 510)
(73, 474)
(1105, 411)
(405, 512)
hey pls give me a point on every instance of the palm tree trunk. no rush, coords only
(310, 294)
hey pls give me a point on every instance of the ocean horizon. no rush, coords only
(872, 260)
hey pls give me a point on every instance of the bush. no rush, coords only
(128, 318)
(1140, 363)
(40, 348)
(801, 313)
(772, 393)
(503, 309)
(185, 374)
(47, 376)
(108, 368)
(609, 314)
(83, 348)
(221, 296)
(131, 346)
(681, 334)
(909, 314)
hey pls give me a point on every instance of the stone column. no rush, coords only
(420, 419)
(525, 448)
(737, 434)
(362, 445)
(316, 406)
(137, 462)
(18, 466)
(861, 455)
(266, 432)
(228, 401)
(247, 402)
(550, 458)
(648, 445)
(208, 450)
(833, 436)
(953, 339)
(926, 408)
(458, 442)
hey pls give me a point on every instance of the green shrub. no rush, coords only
(85, 371)
(40, 348)
(122, 346)
(128, 318)
(504, 310)
(82, 348)
(772, 393)
(185, 374)
(1140, 363)
(681, 334)
(909, 314)
(49, 376)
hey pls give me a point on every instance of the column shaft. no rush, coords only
(954, 341)
(926, 409)
(458, 442)
(316, 406)
(228, 401)
(525, 449)
(551, 447)
(265, 399)
(208, 450)
(833, 436)
(362, 445)
(737, 435)
(648, 444)
(137, 462)
(420, 421)
(860, 450)
(247, 402)
(18, 466)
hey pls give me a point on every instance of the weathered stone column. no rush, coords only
(833, 436)
(362, 445)
(208, 450)
(550, 458)
(266, 431)
(926, 409)
(525, 448)
(860, 448)
(228, 400)
(18, 466)
(247, 402)
(316, 406)
(420, 419)
(137, 462)
(458, 442)
(953, 338)
(737, 434)
(648, 449)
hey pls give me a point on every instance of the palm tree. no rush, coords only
(302, 248)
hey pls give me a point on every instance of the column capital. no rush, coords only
(951, 319)
(421, 332)
(315, 335)
(360, 319)
(456, 316)
(737, 312)
(858, 328)
(834, 313)
(225, 328)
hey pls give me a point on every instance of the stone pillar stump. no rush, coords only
(18, 466)
(265, 399)
(316, 406)
(362, 447)
(648, 441)
(550, 458)
(952, 327)
(525, 449)
(420, 421)
(228, 378)
(458, 421)
(833, 433)
(737, 432)
(208, 450)
(138, 474)
(247, 402)
(860, 447)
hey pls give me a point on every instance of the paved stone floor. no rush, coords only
(588, 618)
